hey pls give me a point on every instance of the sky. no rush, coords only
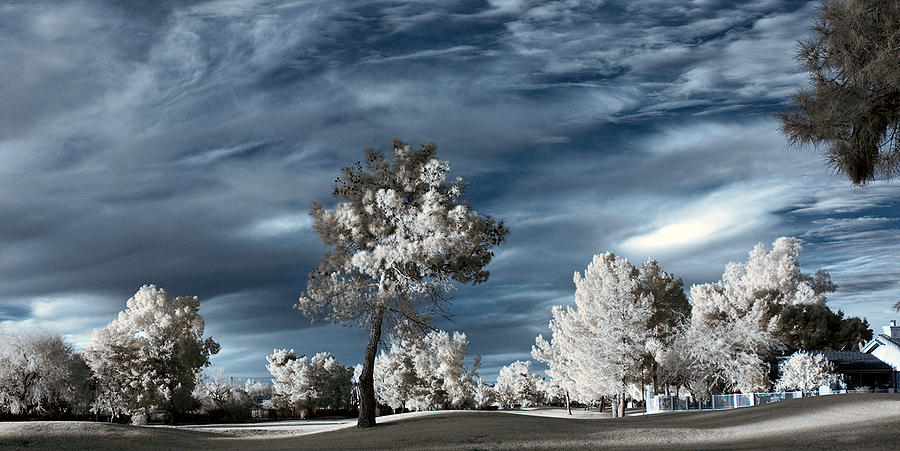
(182, 143)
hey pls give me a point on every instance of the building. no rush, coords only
(860, 371)
(886, 348)
(876, 366)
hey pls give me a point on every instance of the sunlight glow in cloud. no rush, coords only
(726, 213)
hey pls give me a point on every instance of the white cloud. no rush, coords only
(280, 225)
(727, 212)
(72, 316)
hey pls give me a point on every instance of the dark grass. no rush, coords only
(865, 421)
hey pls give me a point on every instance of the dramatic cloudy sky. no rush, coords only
(182, 143)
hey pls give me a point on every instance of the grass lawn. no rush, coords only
(863, 421)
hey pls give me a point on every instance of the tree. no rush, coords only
(401, 236)
(221, 399)
(151, 355)
(483, 395)
(598, 347)
(317, 382)
(517, 385)
(670, 309)
(41, 374)
(811, 327)
(425, 373)
(807, 372)
(719, 356)
(770, 281)
(259, 392)
(853, 107)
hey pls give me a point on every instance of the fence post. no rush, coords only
(713, 402)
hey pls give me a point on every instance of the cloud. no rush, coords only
(182, 143)
(727, 212)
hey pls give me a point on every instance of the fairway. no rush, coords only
(865, 421)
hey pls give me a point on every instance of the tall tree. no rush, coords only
(853, 106)
(670, 309)
(152, 354)
(599, 345)
(401, 236)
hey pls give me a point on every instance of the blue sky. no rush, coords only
(182, 143)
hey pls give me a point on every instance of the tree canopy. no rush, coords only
(151, 355)
(401, 235)
(853, 105)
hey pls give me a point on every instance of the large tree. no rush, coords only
(401, 235)
(151, 355)
(769, 280)
(853, 105)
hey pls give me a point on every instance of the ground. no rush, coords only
(864, 421)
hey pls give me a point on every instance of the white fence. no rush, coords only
(662, 403)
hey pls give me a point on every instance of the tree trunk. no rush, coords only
(620, 405)
(568, 406)
(367, 378)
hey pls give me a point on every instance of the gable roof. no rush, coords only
(881, 340)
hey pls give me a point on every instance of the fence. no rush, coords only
(662, 403)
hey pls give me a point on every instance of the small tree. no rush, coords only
(483, 395)
(151, 355)
(517, 385)
(853, 107)
(425, 372)
(807, 372)
(401, 236)
(317, 382)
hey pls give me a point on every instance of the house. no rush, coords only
(860, 371)
(876, 366)
(886, 347)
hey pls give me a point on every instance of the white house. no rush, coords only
(886, 347)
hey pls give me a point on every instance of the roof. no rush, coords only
(853, 360)
(881, 340)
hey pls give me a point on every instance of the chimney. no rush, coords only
(893, 330)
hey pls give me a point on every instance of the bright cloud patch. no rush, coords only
(726, 213)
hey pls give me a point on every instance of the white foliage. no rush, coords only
(317, 382)
(597, 346)
(41, 374)
(720, 356)
(425, 373)
(517, 385)
(803, 371)
(402, 235)
(767, 277)
(483, 395)
(151, 355)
